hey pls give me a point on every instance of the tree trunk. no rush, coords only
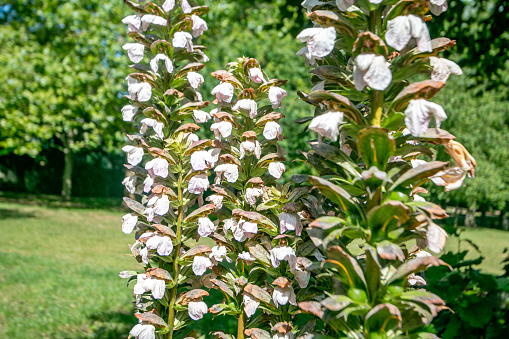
(470, 217)
(484, 222)
(457, 211)
(67, 176)
(504, 220)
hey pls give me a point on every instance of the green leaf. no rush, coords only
(414, 175)
(375, 146)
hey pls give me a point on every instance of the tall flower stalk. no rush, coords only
(166, 106)
(375, 150)
(261, 230)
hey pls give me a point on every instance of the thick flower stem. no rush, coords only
(171, 310)
(241, 325)
(376, 107)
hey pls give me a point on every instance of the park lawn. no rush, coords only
(59, 273)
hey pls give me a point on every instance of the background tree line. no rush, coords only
(62, 69)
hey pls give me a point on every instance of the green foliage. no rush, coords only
(61, 75)
(480, 33)
(480, 301)
(483, 123)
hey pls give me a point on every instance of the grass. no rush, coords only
(59, 273)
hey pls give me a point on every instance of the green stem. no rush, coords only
(171, 310)
(377, 98)
(241, 325)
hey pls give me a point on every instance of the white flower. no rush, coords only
(343, 5)
(284, 295)
(309, 4)
(290, 222)
(403, 28)
(200, 116)
(191, 137)
(199, 25)
(140, 91)
(219, 253)
(144, 284)
(216, 200)
(223, 92)
(372, 70)
(163, 245)
(414, 279)
(128, 112)
(135, 51)
(130, 183)
(157, 166)
(154, 63)
(252, 194)
(283, 253)
(451, 178)
(183, 40)
(198, 184)
(195, 80)
(236, 228)
(256, 75)
(129, 221)
(437, 7)
(288, 335)
(250, 228)
(160, 203)
(156, 126)
(168, 5)
(230, 171)
(200, 264)
(276, 169)
(302, 275)
(246, 256)
(134, 154)
(148, 19)
(250, 146)
(142, 331)
(418, 115)
(133, 23)
(309, 59)
(147, 183)
(250, 304)
(196, 309)
(202, 160)
(276, 95)
(319, 41)
(205, 227)
(186, 8)
(327, 125)
(222, 129)
(248, 105)
(273, 130)
(442, 68)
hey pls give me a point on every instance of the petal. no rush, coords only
(379, 76)
(398, 32)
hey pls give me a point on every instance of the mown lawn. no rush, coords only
(59, 273)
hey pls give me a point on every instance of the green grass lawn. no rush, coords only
(59, 273)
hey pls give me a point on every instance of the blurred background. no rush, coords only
(62, 71)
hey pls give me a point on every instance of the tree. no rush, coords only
(61, 77)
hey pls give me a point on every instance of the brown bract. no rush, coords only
(189, 127)
(282, 282)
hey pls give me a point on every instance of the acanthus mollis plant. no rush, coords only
(166, 107)
(374, 152)
(261, 255)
